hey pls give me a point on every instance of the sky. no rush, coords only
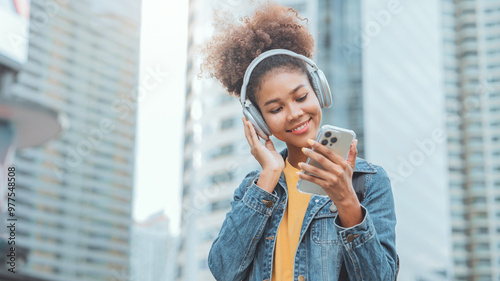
(159, 138)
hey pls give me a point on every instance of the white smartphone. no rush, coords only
(336, 139)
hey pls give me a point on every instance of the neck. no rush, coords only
(295, 156)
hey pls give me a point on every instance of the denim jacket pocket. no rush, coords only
(323, 229)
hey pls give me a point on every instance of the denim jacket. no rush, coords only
(244, 248)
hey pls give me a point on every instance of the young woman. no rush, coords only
(273, 231)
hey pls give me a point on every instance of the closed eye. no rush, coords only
(276, 110)
(303, 98)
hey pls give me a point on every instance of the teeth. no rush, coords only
(300, 128)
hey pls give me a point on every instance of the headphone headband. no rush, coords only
(260, 58)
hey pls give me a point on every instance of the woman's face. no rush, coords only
(289, 106)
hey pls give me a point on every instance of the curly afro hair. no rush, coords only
(236, 43)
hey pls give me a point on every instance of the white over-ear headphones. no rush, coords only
(319, 84)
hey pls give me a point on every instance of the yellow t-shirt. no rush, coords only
(289, 229)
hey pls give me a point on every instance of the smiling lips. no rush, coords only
(301, 129)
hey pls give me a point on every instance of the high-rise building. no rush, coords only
(339, 56)
(405, 127)
(23, 124)
(73, 200)
(215, 155)
(471, 31)
(153, 250)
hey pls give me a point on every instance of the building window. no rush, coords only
(226, 150)
(491, 24)
(220, 205)
(225, 99)
(203, 264)
(491, 10)
(480, 199)
(221, 177)
(482, 230)
(188, 139)
(222, 151)
(468, 25)
(484, 262)
(469, 39)
(483, 246)
(468, 12)
(227, 123)
(468, 54)
(188, 164)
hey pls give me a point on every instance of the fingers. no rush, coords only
(312, 179)
(327, 158)
(251, 131)
(317, 172)
(247, 132)
(270, 145)
(353, 153)
(322, 149)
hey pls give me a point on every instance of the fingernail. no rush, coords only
(310, 142)
(304, 149)
(300, 164)
(298, 173)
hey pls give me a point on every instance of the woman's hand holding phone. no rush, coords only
(335, 179)
(269, 159)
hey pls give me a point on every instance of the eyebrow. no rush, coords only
(291, 93)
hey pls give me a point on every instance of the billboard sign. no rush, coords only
(14, 32)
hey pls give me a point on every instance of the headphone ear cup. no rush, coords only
(317, 88)
(253, 115)
(326, 94)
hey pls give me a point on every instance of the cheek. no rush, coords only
(274, 122)
(314, 107)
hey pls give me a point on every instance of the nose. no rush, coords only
(296, 111)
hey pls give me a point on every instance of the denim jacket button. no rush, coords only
(302, 278)
(269, 204)
(333, 208)
(351, 237)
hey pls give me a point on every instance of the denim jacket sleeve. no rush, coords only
(233, 250)
(369, 247)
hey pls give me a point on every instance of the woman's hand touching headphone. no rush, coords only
(270, 160)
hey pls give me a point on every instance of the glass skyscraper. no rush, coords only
(153, 250)
(471, 31)
(73, 200)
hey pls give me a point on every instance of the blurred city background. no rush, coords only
(126, 161)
